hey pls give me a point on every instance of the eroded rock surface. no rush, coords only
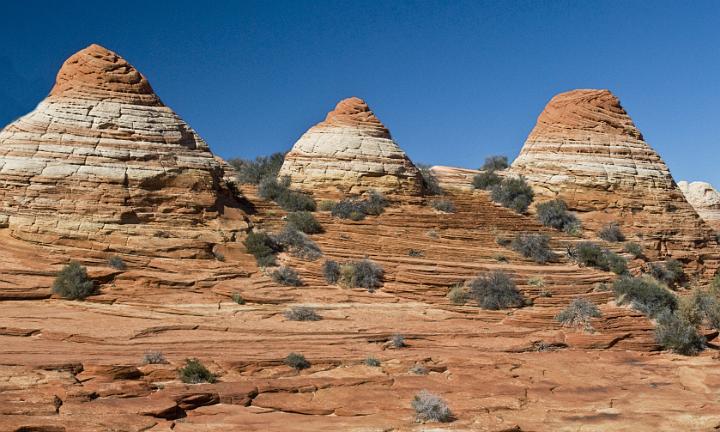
(705, 199)
(586, 150)
(351, 151)
(102, 163)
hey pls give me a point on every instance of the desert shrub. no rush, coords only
(349, 208)
(419, 369)
(578, 314)
(286, 276)
(301, 313)
(701, 307)
(416, 253)
(262, 247)
(279, 191)
(534, 246)
(486, 180)
(513, 193)
(154, 357)
(326, 205)
(430, 183)
(429, 407)
(458, 294)
(676, 334)
(573, 229)
(634, 249)
(117, 263)
(554, 214)
(616, 263)
(270, 188)
(443, 205)
(500, 257)
(304, 221)
(375, 203)
(72, 282)
(372, 362)
(591, 254)
(297, 244)
(611, 233)
(297, 361)
(669, 272)
(644, 294)
(536, 281)
(495, 290)
(495, 163)
(398, 341)
(237, 298)
(361, 274)
(331, 272)
(503, 241)
(195, 372)
(253, 171)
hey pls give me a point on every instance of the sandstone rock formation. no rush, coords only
(705, 199)
(102, 163)
(586, 150)
(351, 151)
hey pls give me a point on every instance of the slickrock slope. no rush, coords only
(102, 164)
(586, 150)
(705, 199)
(351, 151)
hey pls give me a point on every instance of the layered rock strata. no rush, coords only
(103, 163)
(705, 199)
(351, 151)
(586, 150)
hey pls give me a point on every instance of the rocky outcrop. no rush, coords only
(705, 199)
(102, 163)
(351, 151)
(586, 150)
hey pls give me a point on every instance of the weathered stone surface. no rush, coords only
(351, 151)
(103, 164)
(705, 199)
(586, 150)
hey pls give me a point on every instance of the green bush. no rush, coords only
(430, 183)
(611, 233)
(270, 188)
(578, 313)
(349, 208)
(252, 172)
(533, 246)
(331, 272)
(634, 249)
(286, 276)
(458, 294)
(326, 205)
(591, 254)
(262, 247)
(486, 180)
(495, 290)
(361, 274)
(375, 203)
(644, 294)
(297, 244)
(195, 372)
(670, 272)
(117, 263)
(495, 163)
(554, 214)
(432, 408)
(513, 193)
(616, 263)
(676, 334)
(302, 313)
(72, 282)
(372, 362)
(304, 221)
(237, 298)
(701, 307)
(443, 205)
(279, 191)
(297, 361)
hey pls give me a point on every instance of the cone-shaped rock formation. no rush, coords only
(586, 150)
(101, 162)
(351, 152)
(705, 199)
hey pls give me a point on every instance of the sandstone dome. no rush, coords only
(705, 199)
(351, 151)
(586, 150)
(103, 163)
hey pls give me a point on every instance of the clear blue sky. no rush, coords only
(454, 81)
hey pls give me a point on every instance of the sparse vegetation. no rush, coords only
(398, 341)
(700, 308)
(286, 276)
(419, 369)
(676, 334)
(372, 362)
(326, 205)
(578, 314)
(429, 407)
(513, 193)
(297, 244)
(644, 294)
(591, 254)
(669, 272)
(301, 313)
(495, 163)
(195, 372)
(262, 247)
(634, 249)
(533, 246)
(416, 253)
(361, 274)
(72, 282)
(458, 294)
(430, 183)
(253, 171)
(117, 263)
(443, 205)
(237, 298)
(536, 281)
(495, 290)
(279, 191)
(154, 357)
(611, 233)
(297, 361)
(304, 221)
(486, 180)
(555, 214)
(331, 272)
(356, 209)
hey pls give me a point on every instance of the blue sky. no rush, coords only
(454, 81)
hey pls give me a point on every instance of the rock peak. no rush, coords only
(95, 72)
(355, 112)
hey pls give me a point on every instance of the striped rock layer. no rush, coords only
(705, 199)
(103, 163)
(351, 152)
(586, 150)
